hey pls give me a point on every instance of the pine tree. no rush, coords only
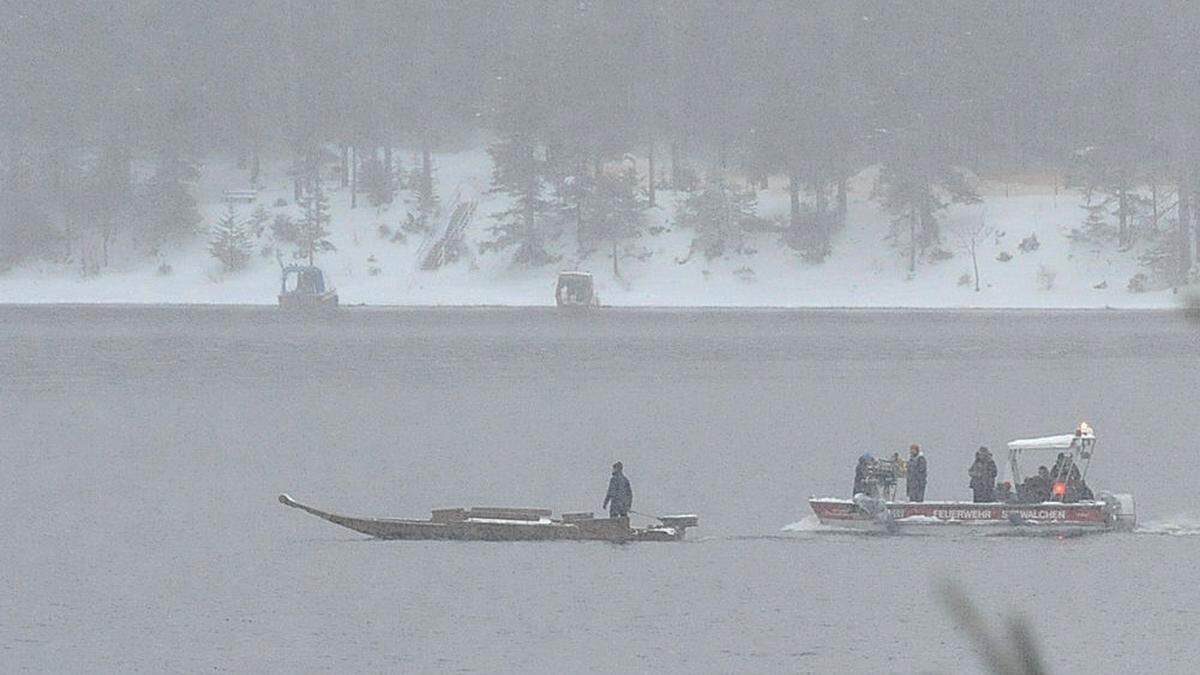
(614, 214)
(25, 227)
(169, 212)
(378, 182)
(231, 242)
(915, 186)
(526, 225)
(573, 186)
(721, 216)
(104, 201)
(1109, 189)
(258, 220)
(424, 202)
(312, 230)
(425, 187)
(1096, 227)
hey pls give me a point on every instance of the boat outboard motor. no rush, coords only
(1119, 510)
(877, 508)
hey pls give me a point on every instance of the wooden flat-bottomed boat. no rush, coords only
(506, 524)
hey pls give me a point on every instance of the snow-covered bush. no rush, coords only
(965, 279)
(1164, 260)
(259, 220)
(1139, 283)
(1004, 256)
(939, 254)
(1029, 244)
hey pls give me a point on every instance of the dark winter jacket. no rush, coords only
(983, 472)
(860, 477)
(1034, 490)
(983, 477)
(916, 471)
(620, 493)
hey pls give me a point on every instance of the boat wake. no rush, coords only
(1179, 526)
(813, 525)
(808, 524)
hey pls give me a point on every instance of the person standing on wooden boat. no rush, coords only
(915, 481)
(619, 499)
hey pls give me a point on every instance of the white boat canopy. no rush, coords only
(1062, 442)
(1081, 443)
(1065, 441)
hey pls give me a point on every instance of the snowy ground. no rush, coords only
(863, 271)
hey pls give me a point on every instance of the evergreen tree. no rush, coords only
(425, 187)
(169, 212)
(378, 182)
(311, 232)
(105, 200)
(915, 184)
(1109, 187)
(424, 200)
(614, 214)
(1096, 227)
(25, 227)
(721, 215)
(258, 220)
(231, 242)
(518, 172)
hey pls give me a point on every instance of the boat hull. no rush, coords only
(496, 529)
(1101, 515)
(308, 301)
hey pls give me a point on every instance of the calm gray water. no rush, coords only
(142, 450)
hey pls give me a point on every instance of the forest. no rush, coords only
(709, 98)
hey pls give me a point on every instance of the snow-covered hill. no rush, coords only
(863, 271)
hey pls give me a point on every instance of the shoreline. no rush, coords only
(611, 308)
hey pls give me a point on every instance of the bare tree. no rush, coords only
(967, 235)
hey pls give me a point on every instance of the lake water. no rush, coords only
(142, 450)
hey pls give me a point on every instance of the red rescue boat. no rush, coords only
(1062, 509)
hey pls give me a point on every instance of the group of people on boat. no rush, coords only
(870, 474)
(1063, 483)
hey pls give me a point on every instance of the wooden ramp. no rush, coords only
(447, 248)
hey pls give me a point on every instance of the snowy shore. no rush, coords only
(864, 270)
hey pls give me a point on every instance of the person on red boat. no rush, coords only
(1036, 489)
(1004, 492)
(861, 470)
(915, 478)
(619, 499)
(983, 476)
